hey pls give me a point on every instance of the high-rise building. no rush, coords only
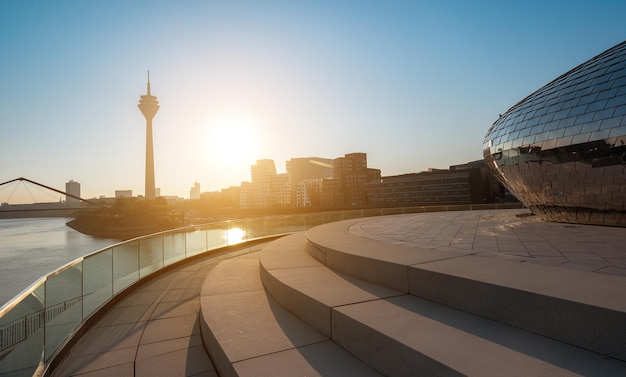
(149, 106)
(263, 173)
(72, 188)
(246, 194)
(307, 169)
(281, 190)
(303, 168)
(308, 193)
(194, 192)
(350, 174)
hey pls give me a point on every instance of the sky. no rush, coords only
(414, 84)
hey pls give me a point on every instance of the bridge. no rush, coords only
(40, 203)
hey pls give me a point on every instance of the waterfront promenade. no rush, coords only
(155, 330)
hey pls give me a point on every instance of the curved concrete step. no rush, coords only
(246, 333)
(403, 335)
(309, 289)
(581, 308)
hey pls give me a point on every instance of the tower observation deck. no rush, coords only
(149, 105)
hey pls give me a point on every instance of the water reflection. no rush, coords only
(235, 236)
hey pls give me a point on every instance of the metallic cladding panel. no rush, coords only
(562, 151)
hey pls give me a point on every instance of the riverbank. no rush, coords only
(121, 233)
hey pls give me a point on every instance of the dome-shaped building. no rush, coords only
(562, 151)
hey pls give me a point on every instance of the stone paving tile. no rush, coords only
(109, 338)
(461, 245)
(617, 262)
(183, 294)
(123, 370)
(548, 261)
(111, 361)
(192, 361)
(146, 351)
(567, 246)
(587, 257)
(508, 244)
(613, 271)
(541, 248)
(176, 309)
(120, 315)
(139, 298)
(585, 266)
(485, 242)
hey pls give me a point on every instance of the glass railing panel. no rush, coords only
(173, 248)
(294, 223)
(216, 236)
(330, 217)
(195, 242)
(236, 232)
(255, 228)
(274, 225)
(435, 209)
(460, 208)
(97, 280)
(22, 335)
(477, 207)
(372, 212)
(63, 306)
(150, 255)
(354, 214)
(313, 219)
(392, 211)
(125, 265)
(414, 210)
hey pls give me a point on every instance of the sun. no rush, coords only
(233, 140)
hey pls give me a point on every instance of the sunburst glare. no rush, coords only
(235, 236)
(233, 139)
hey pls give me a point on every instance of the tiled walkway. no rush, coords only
(583, 247)
(154, 331)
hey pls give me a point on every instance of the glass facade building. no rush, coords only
(562, 151)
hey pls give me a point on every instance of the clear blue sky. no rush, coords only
(414, 84)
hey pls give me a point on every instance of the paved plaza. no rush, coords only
(155, 329)
(505, 233)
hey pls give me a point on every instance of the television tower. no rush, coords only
(149, 106)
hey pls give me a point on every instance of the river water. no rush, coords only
(31, 248)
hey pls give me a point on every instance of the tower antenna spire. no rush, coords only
(149, 105)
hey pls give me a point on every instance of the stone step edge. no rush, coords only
(263, 358)
(419, 358)
(581, 308)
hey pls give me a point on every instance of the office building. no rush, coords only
(72, 188)
(263, 173)
(347, 187)
(194, 192)
(470, 183)
(123, 194)
(302, 172)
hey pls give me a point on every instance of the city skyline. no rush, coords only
(412, 85)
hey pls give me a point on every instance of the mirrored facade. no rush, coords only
(562, 151)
